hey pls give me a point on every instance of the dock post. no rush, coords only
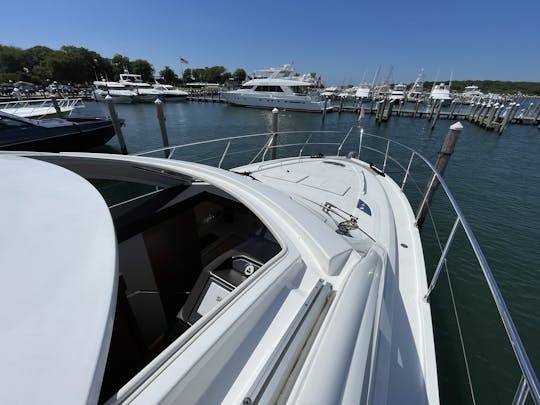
(442, 161)
(416, 108)
(162, 127)
(54, 102)
(452, 108)
(400, 107)
(341, 104)
(116, 124)
(324, 108)
(537, 116)
(508, 116)
(526, 115)
(437, 112)
(275, 130)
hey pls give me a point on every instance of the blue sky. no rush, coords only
(340, 40)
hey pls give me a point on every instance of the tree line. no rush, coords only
(78, 65)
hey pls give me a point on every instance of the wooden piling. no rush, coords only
(274, 140)
(54, 102)
(445, 154)
(162, 127)
(116, 124)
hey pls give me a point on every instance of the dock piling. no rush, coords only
(275, 129)
(54, 102)
(116, 124)
(162, 127)
(444, 157)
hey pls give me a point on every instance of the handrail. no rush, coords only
(530, 383)
(517, 345)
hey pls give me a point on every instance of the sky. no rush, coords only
(344, 42)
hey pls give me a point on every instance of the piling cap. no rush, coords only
(275, 111)
(457, 126)
(158, 101)
(108, 97)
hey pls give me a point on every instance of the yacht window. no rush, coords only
(269, 88)
(300, 89)
(247, 87)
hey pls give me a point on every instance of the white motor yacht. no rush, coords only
(471, 94)
(145, 93)
(363, 91)
(278, 90)
(398, 92)
(170, 93)
(120, 93)
(440, 91)
(143, 280)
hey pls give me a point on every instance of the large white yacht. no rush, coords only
(363, 91)
(281, 89)
(170, 93)
(398, 93)
(416, 93)
(440, 91)
(119, 93)
(145, 93)
(143, 280)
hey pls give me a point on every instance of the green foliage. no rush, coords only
(169, 76)
(143, 68)
(239, 75)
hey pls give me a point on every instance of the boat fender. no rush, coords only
(376, 169)
(317, 156)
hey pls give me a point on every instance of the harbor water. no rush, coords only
(495, 180)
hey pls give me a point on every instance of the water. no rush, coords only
(496, 181)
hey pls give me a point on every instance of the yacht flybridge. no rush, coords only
(146, 280)
(277, 88)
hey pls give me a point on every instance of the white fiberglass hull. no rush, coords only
(295, 103)
(118, 96)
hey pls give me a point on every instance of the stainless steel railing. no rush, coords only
(529, 383)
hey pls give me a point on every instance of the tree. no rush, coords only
(119, 63)
(169, 76)
(239, 75)
(143, 68)
(187, 75)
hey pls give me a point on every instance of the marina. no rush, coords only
(493, 188)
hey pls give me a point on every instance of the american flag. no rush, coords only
(182, 60)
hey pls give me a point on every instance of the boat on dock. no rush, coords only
(41, 108)
(265, 268)
(54, 134)
(281, 89)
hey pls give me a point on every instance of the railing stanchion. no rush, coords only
(521, 393)
(407, 172)
(442, 259)
(386, 155)
(224, 153)
(360, 143)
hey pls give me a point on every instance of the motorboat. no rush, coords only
(54, 134)
(119, 93)
(170, 93)
(143, 279)
(363, 91)
(471, 94)
(416, 93)
(440, 91)
(144, 92)
(279, 90)
(398, 93)
(41, 108)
